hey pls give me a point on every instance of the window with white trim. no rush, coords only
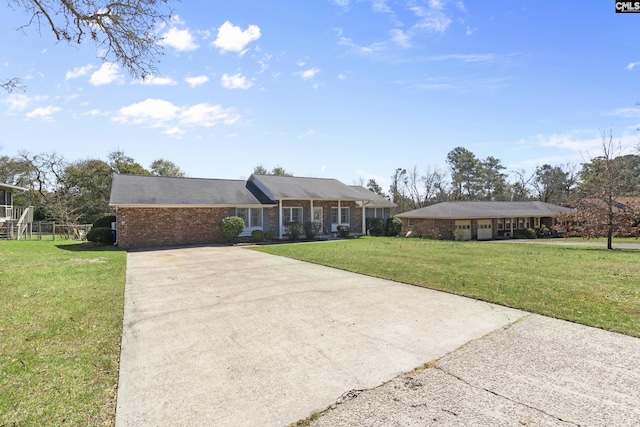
(340, 215)
(291, 214)
(252, 216)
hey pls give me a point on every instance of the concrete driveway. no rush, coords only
(225, 336)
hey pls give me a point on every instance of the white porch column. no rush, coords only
(280, 219)
(364, 227)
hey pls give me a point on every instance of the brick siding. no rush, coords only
(156, 227)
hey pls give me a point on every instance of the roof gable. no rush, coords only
(299, 188)
(474, 210)
(144, 190)
(373, 199)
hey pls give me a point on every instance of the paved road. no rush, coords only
(225, 336)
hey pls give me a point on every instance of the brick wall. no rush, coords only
(155, 227)
(433, 228)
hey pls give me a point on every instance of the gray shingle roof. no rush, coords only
(141, 190)
(293, 187)
(375, 200)
(474, 210)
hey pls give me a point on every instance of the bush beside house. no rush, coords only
(231, 227)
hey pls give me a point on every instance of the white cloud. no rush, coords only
(342, 3)
(181, 40)
(381, 6)
(153, 111)
(171, 118)
(43, 113)
(196, 81)
(236, 81)
(473, 57)
(362, 50)
(16, 101)
(78, 72)
(156, 81)
(108, 73)
(175, 131)
(207, 115)
(92, 112)
(310, 73)
(432, 18)
(626, 112)
(460, 84)
(400, 38)
(342, 76)
(309, 132)
(632, 65)
(231, 38)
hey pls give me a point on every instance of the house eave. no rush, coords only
(13, 187)
(190, 206)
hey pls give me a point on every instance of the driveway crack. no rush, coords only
(462, 380)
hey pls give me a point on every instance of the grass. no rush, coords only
(61, 309)
(588, 285)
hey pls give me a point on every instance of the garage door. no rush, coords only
(485, 229)
(463, 229)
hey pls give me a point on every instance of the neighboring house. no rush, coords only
(6, 200)
(154, 211)
(14, 222)
(481, 220)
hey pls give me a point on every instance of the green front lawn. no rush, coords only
(61, 309)
(586, 285)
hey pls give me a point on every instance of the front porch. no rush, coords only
(16, 222)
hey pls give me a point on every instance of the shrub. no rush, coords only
(311, 229)
(257, 235)
(375, 226)
(343, 230)
(427, 233)
(543, 231)
(231, 227)
(294, 230)
(104, 221)
(269, 235)
(393, 226)
(100, 235)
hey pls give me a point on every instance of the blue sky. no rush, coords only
(345, 89)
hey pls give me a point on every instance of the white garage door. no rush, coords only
(485, 229)
(463, 229)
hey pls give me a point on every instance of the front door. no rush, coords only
(317, 217)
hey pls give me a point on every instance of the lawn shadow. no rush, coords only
(88, 247)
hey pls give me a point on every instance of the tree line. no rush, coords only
(72, 192)
(469, 178)
(79, 191)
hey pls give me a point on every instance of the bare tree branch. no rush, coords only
(124, 31)
(12, 85)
